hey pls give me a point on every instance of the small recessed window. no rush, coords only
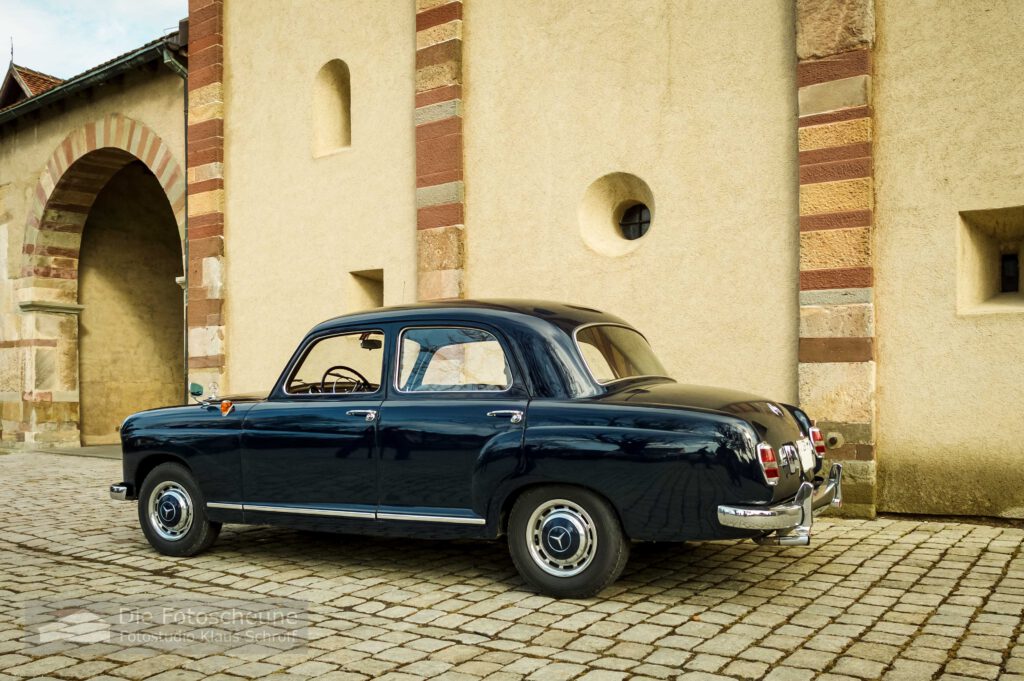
(635, 222)
(1009, 271)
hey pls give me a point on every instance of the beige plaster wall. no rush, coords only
(130, 329)
(154, 99)
(696, 99)
(950, 115)
(295, 225)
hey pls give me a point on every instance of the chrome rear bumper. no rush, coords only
(788, 524)
(119, 492)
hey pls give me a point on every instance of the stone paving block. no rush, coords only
(896, 598)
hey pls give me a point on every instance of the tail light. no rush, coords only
(769, 463)
(818, 440)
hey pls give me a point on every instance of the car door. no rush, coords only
(455, 403)
(311, 449)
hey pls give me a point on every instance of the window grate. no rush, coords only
(635, 222)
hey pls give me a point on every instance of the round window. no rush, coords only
(616, 211)
(635, 221)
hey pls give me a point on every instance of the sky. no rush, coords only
(65, 37)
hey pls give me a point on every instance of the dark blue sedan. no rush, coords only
(552, 424)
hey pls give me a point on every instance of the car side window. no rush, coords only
(452, 359)
(349, 363)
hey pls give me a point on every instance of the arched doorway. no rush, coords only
(104, 242)
(131, 325)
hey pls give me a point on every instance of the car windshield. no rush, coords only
(614, 352)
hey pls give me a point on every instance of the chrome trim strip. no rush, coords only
(303, 510)
(452, 519)
(340, 513)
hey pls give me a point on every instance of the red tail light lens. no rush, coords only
(819, 441)
(769, 463)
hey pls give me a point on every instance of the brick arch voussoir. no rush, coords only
(74, 174)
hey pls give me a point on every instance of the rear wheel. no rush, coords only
(566, 542)
(172, 512)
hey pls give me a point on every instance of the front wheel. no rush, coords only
(172, 512)
(566, 542)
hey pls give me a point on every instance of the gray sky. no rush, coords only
(65, 37)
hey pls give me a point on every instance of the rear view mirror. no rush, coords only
(195, 390)
(371, 344)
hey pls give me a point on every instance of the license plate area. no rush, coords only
(806, 451)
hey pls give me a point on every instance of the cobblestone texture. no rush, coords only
(894, 599)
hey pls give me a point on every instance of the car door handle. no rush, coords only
(369, 414)
(513, 415)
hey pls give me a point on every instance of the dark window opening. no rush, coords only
(1009, 272)
(635, 222)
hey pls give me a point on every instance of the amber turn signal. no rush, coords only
(225, 407)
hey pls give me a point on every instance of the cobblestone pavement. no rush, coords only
(896, 599)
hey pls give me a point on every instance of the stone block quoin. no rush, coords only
(835, 150)
(205, 175)
(440, 185)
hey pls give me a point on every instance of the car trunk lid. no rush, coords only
(774, 422)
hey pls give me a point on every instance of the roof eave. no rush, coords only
(127, 62)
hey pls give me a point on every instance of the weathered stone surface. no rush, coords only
(827, 27)
(829, 248)
(844, 93)
(837, 321)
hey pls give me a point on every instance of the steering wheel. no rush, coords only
(338, 373)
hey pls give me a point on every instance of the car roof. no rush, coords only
(562, 315)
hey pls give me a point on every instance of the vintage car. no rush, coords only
(551, 424)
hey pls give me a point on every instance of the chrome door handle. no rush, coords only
(513, 415)
(369, 414)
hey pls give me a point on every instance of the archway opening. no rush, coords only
(131, 326)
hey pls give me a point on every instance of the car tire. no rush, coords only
(566, 542)
(172, 512)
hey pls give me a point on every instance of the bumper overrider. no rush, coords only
(789, 523)
(122, 491)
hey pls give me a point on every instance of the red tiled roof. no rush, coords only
(36, 82)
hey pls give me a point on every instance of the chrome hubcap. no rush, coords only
(562, 538)
(170, 511)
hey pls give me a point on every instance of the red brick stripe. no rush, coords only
(207, 129)
(204, 186)
(849, 277)
(853, 218)
(847, 151)
(439, 216)
(438, 15)
(214, 362)
(445, 93)
(444, 177)
(439, 154)
(819, 350)
(445, 126)
(835, 170)
(836, 67)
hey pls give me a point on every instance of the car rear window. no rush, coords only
(613, 352)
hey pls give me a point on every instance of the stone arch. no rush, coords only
(47, 291)
(62, 200)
